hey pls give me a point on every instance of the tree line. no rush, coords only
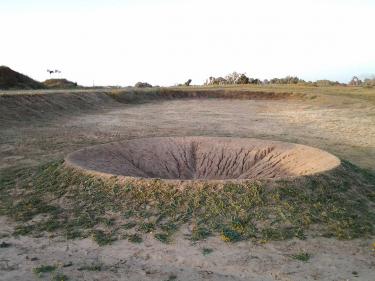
(241, 78)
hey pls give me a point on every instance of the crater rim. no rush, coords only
(85, 159)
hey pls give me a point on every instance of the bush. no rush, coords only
(142, 85)
(232, 79)
(287, 80)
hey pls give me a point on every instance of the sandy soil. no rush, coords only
(151, 260)
(203, 158)
(346, 130)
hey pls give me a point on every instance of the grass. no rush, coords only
(163, 237)
(147, 227)
(200, 233)
(302, 256)
(44, 269)
(59, 277)
(231, 235)
(244, 91)
(129, 225)
(134, 238)
(340, 204)
(102, 238)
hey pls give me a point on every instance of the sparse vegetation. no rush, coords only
(44, 269)
(134, 238)
(302, 256)
(253, 210)
(146, 227)
(129, 225)
(60, 277)
(60, 84)
(163, 237)
(103, 238)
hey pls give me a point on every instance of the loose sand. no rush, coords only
(203, 158)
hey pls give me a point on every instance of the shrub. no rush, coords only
(142, 85)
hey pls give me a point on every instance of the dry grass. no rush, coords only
(339, 204)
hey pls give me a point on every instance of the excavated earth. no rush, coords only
(203, 158)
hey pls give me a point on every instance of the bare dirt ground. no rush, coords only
(345, 128)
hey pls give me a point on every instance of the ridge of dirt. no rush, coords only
(49, 105)
(10, 79)
(60, 84)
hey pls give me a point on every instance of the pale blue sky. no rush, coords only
(166, 42)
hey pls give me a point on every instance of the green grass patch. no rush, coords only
(302, 256)
(44, 269)
(200, 233)
(102, 238)
(129, 225)
(230, 235)
(147, 227)
(163, 237)
(91, 267)
(135, 238)
(339, 204)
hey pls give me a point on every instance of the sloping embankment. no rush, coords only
(36, 105)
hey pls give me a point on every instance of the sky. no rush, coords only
(166, 42)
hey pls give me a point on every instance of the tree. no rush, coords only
(216, 81)
(143, 85)
(233, 77)
(355, 81)
(188, 82)
(243, 79)
(287, 80)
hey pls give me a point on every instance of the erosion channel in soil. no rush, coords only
(203, 158)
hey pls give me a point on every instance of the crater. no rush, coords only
(203, 158)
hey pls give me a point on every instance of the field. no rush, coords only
(56, 222)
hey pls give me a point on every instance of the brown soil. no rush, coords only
(203, 158)
(60, 84)
(11, 80)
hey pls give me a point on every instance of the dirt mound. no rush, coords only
(203, 158)
(12, 80)
(60, 84)
(47, 107)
